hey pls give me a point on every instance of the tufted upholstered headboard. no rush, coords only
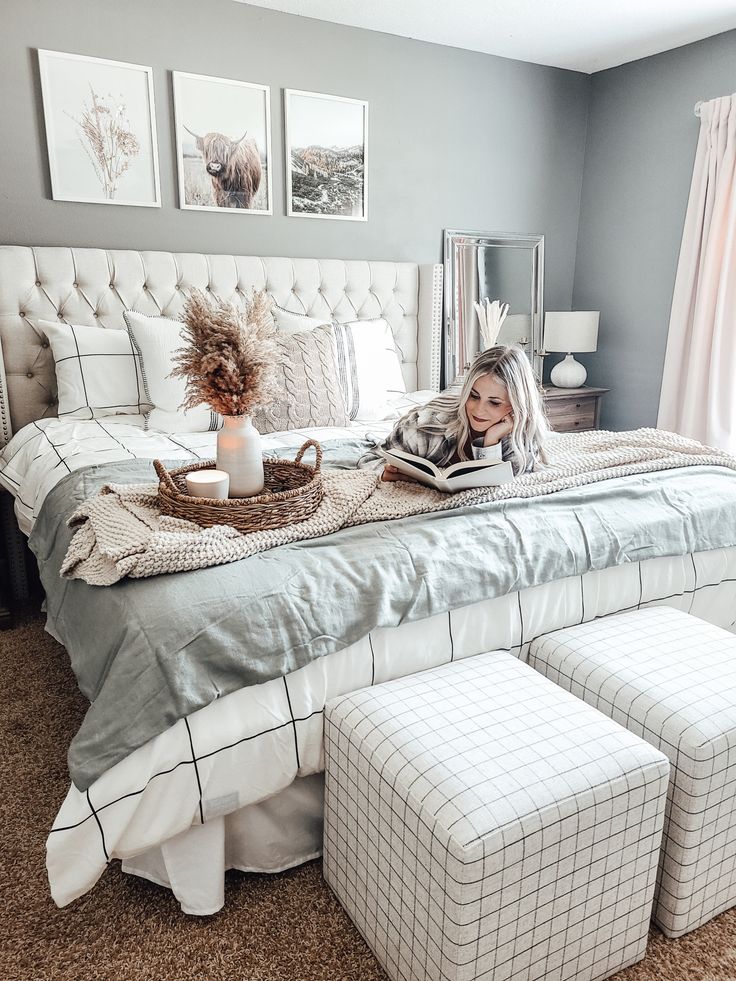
(94, 286)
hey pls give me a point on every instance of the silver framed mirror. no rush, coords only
(496, 266)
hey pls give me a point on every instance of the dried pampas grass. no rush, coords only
(229, 356)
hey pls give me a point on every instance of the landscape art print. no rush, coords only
(223, 138)
(100, 130)
(326, 156)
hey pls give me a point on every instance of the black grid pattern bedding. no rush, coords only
(98, 371)
(671, 679)
(155, 794)
(480, 823)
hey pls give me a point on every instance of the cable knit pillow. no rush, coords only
(97, 371)
(310, 393)
(368, 362)
(156, 339)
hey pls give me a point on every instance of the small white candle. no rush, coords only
(208, 483)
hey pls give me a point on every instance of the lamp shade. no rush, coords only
(571, 331)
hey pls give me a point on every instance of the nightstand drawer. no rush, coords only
(571, 410)
(567, 415)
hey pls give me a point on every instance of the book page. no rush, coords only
(460, 476)
(489, 476)
(469, 466)
(408, 463)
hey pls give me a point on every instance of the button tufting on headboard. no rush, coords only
(152, 282)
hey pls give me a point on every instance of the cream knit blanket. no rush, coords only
(121, 532)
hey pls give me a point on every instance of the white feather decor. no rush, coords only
(491, 316)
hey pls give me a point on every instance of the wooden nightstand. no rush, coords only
(571, 410)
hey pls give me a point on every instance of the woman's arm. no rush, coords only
(483, 452)
(399, 438)
(418, 432)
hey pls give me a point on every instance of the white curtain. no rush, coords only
(698, 397)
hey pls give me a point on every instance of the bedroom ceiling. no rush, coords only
(582, 35)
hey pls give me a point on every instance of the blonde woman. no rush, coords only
(497, 414)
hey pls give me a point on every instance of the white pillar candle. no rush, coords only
(208, 483)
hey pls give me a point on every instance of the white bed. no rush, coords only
(220, 789)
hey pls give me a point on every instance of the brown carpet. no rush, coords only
(273, 928)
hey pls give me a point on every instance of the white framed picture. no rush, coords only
(100, 130)
(326, 156)
(223, 144)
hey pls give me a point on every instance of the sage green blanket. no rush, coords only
(147, 652)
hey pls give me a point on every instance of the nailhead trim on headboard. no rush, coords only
(6, 430)
(436, 332)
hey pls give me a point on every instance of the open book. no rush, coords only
(456, 477)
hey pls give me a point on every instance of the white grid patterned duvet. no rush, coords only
(251, 744)
(44, 452)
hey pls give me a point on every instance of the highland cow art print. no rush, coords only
(223, 135)
(326, 156)
(100, 130)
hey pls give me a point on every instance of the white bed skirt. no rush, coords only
(272, 836)
(286, 829)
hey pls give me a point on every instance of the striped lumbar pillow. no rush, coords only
(369, 368)
(156, 339)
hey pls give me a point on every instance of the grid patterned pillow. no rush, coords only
(156, 339)
(97, 371)
(310, 393)
(369, 368)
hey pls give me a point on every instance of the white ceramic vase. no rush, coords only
(240, 455)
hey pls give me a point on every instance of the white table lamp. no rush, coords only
(567, 332)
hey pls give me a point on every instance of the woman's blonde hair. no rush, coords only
(524, 446)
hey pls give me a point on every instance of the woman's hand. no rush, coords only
(495, 433)
(393, 473)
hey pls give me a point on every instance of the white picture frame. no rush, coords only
(100, 121)
(334, 126)
(221, 117)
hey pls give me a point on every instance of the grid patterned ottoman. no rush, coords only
(481, 823)
(671, 679)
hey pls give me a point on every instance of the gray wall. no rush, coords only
(457, 139)
(642, 136)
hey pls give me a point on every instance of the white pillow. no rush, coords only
(368, 368)
(97, 371)
(156, 339)
(295, 323)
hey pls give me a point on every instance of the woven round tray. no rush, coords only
(293, 493)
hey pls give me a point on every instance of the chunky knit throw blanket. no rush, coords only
(121, 532)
